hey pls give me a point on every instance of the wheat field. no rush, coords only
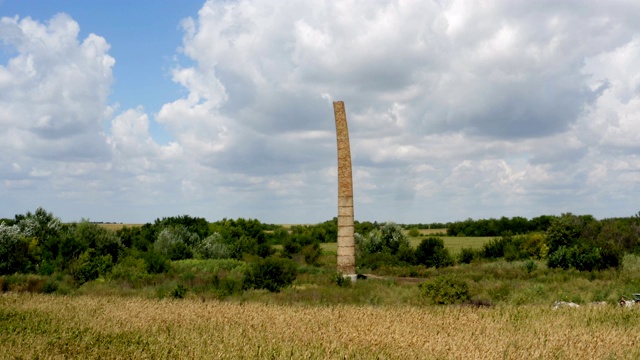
(46, 326)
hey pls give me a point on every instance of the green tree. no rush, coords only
(271, 273)
(432, 253)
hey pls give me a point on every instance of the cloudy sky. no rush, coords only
(129, 111)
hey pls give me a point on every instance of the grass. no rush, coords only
(45, 326)
(116, 227)
(453, 243)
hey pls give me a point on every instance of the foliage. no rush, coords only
(446, 290)
(583, 243)
(466, 255)
(90, 265)
(518, 247)
(498, 227)
(175, 242)
(179, 292)
(14, 250)
(212, 247)
(156, 262)
(101, 240)
(340, 280)
(132, 270)
(384, 246)
(584, 258)
(432, 253)
(311, 253)
(413, 232)
(388, 240)
(271, 274)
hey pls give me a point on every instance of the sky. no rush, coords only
(128, 111)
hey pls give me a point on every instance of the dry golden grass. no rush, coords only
(117, 327)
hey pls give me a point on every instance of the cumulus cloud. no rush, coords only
(54, 91)
(456, 109)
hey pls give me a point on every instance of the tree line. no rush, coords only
(40, 243)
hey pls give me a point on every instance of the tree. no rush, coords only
(175, 242)
(386, 245)
(14, 250)
(432, 253)
(270, 273)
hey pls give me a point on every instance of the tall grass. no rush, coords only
(42, 326)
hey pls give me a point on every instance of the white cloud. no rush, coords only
(53, 92)
(456, 109)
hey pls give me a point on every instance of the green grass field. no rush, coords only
(454, 244)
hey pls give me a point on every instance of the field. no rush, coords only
(454, 244)
(46, 326)
(117, 226)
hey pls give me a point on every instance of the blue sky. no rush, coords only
(129, 111)
(144, 36)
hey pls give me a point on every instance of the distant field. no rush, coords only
(454, 244)
(116, 227)
(432, 231)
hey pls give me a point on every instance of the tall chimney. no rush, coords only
(346, 243)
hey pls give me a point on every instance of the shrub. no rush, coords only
(157, 263)
(213, 247)
(311, 253)
(89, 266)
(494, 249)
(226, 285)
(50, 286)
(566, 230)
(270, 273)
(530, 266)
(446, 290)
(466, 255)
(290, 248)
(179, 292)
(432, 253)
(131, 270)
(179, 251)
(585, 258)
(175, 241)
(535, 246)
(413, 232)
(340, 280)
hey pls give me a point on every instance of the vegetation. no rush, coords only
(40, 326)
(186, 287)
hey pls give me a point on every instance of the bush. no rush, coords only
(340, 280)
(157, 263)
(132, 270)
(90, 266)
(213, 247)
(466, 255)
(14, 250)
(226, 285)
(530, 266)
(413, 232)
(446, 290)
(311, 253)
(585, 258)
(270, 273)
(432, 253)
(175, 241)
(179, 292)
(494, 249)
